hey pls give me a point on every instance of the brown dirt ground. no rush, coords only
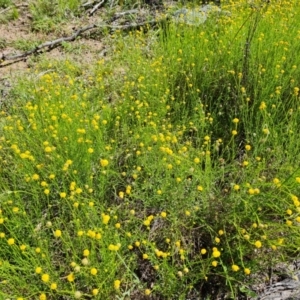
(19, 30)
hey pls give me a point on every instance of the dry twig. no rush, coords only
(50, 45)
(97, 6)
(5, 9)
(88, 4)
(56, 43)
(124, 13)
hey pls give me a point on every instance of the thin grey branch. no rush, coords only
(5, 10)
(49, 45)
(97, 6)
(88, 4)
(119, 15)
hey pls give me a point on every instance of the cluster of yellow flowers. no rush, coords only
(150, 170)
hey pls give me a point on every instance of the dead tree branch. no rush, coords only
(97, 6)
(48, 46)
(5, 9)
(88, 4)
(124, 13)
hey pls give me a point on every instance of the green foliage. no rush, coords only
(2, 43)
(163, 170)
(5, 3)
(25, 45)
(48, 14)
(9, 14)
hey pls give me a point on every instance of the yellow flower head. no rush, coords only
(94, 271)
(245, 163)
(43, 297)
(200, 188)
(105, 219)
(258, 244)
(53, 286)
(163, 214)
(247, 271)
(214, 263)
(57, 233)
(48, 149)
(117, 284)
(235, 268)
(35, 177)
(103, 162)
(236, 187)
(262, 105)
(147, 292)
(45, 277)
(266, 131)
(11, 241)
(63, 195)
(71, 277)
(216, 253)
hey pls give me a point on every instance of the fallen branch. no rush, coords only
(124, 13)
(50, 45)
(88, 4)
(6, 9)
(58, 42)
(97, 6)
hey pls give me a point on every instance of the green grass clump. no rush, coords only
(47, 14)
(5, 3)
(166, 170)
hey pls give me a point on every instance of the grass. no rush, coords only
(48, 15)
(25, 45)
(168, 170)
(8, 14)
(5, 3)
